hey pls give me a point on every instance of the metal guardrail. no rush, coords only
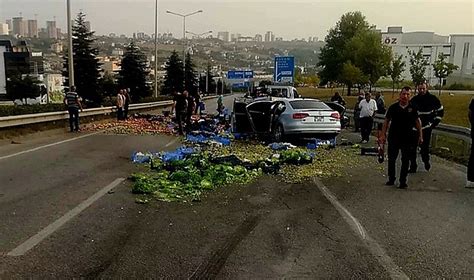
(12, 121)
(458, 132)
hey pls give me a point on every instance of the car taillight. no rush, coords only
(336, 116)
(299, 116)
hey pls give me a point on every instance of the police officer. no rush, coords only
(431, 112)
(400, 119)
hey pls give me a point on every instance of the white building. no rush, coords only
(457, 48)
(223, 35)
(462, 55)
(430, 43)
(3, 29)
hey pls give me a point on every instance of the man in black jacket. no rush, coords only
(400, 120)
(431, 113)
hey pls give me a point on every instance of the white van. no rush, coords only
(282, 91)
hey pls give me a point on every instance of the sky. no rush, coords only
(288, 19)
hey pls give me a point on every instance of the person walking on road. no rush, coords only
(189, 109)
(220, 104)
(380, 103)
(470, 166)
(197, 99)
(73, 104)
(400, 120)
(120, 105)
(126, 94)
(180, 105)
(368, 107)
(431, 113)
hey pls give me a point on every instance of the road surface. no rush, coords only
(66, 212)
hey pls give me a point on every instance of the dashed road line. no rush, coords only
(377, 251)
(47, 231)
(49, 145)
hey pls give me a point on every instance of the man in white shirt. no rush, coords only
(368, 107)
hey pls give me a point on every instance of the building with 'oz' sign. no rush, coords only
(458, 49)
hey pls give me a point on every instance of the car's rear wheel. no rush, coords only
(278, 133)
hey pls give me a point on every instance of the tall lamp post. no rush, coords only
(70, 53)
(156, 48)
(207, 74)
(184, 31)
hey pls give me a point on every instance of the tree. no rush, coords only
(134, 72)
(22, 88)
(417, 66)
(86, 64)
(395, 70)
(211, 82)
(353, 39)
(351, 75)
(334, 54)
(174, 75)
(190, 78)
(443, 69)
(367, 52)
(108, 85)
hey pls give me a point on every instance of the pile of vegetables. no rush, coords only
(186, 180)
(134, 126)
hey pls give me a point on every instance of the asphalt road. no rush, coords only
(264, 230)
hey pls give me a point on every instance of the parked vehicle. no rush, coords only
(279, 91)
(282, 118)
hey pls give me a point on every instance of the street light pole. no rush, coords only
(184, 45)
(156, 48)
(69, 32)
(184, 36)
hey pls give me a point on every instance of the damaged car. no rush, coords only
(276, 120)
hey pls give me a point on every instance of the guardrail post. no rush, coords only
(434, 140)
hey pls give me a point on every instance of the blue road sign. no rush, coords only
(239, 74)
(284, 69)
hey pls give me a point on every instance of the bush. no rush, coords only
(15, 110)
(155, 99)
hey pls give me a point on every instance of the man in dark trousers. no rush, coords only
(180, 106)
(367, 107)
(73, 104)
(126, 95)
(400, 119)
(470, 166)
(431, 112)
(189, 109)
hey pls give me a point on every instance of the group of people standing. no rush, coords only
(409, 123)
(184, 106)
(123, 102)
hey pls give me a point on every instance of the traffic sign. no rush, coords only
(239, 74)
(284, 69)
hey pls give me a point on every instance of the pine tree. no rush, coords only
(134, 72)
(174, 75)
(190, 79)
(86, 64)
(22, 88)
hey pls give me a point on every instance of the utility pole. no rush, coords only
(69, 33)
(156, 48)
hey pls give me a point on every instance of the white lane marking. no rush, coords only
(49, 145)
(377, 251)
(45, 232)
(172, 142)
